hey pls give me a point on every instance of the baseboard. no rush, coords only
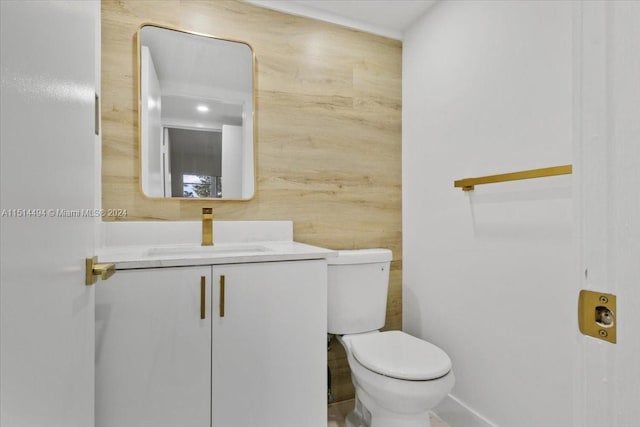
(456, 413)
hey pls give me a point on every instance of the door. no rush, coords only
(153, 348)
(607, 183)
(269, 344)
(47, 147)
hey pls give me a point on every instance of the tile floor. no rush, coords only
(339, 410)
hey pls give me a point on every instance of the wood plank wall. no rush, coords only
(328, 130)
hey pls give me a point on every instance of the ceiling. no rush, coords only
(204, 81)
(389, 18)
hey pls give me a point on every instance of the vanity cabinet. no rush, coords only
(258, 359)
(153, 350)
(269, 346)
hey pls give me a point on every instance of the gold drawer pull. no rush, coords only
(203, 299)
(221, 296)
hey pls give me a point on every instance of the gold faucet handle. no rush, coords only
(207, 213)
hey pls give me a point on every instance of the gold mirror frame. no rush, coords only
(139, 106)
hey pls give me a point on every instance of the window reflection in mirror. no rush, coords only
(196, 115)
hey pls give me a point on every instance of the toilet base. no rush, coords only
(362, 417)
(359, 417)
(353, 420)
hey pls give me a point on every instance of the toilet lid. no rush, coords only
(399, 355)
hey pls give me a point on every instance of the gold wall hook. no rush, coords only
(94, 269)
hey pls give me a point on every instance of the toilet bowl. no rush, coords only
(398, 378)
(388, 401)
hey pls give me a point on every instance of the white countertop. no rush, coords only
(181, 255)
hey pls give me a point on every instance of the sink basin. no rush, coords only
(220, 250)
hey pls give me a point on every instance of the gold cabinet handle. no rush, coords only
(221, 296)
(94, 269)
(203, 297)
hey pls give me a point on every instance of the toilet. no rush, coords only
(398, 378)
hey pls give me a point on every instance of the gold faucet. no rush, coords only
(207, 226)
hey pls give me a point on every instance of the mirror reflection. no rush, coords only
(196, 115)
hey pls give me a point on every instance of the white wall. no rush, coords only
(151, 135)
(232, 161)
(248, 169)
(487, 88)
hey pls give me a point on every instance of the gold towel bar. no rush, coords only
(468, 184)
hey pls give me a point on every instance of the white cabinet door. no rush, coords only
(269, 350)
(153, 350)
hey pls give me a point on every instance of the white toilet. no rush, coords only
(398, 378)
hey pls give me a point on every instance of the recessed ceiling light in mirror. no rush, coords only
(202, 108)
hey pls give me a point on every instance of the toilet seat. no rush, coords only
(399, 355)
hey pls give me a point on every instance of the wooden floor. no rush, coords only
(339, 410)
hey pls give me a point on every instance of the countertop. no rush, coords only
(182, 255)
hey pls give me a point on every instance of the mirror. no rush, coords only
(196, 101)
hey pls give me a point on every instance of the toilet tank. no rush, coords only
(358, 281)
